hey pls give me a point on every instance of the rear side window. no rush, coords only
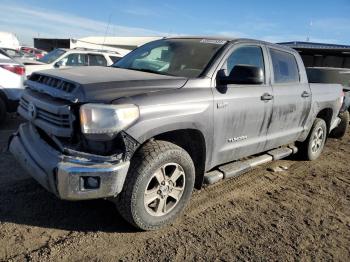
(285, 67)
(97, 60)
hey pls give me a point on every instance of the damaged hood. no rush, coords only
(100, 84)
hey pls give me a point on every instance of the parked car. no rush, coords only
(12, 75)
(63, 58)
(172, 114)
(37, 53)
(17, 54)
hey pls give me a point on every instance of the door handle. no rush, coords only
(305, 94)
(266, 97)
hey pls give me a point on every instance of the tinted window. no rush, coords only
(12, 52)
(178, 57)
(52, 56)
(285, 67)
(97, 60)
(247, 55)
(74, 60)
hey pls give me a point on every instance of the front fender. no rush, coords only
(155, 120)
(187, 108)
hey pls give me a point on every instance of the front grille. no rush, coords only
(54, 119)
(56, 83)
(52, 115)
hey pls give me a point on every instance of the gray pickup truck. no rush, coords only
(170, 116)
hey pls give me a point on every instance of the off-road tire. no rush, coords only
(148, 159)
(306, 151)
(342, 128)
(3, 111)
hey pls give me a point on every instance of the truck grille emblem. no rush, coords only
(32, 112)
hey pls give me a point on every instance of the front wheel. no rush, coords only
(312, 147)
(158, 186)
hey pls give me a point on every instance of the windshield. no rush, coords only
(177, 57)
(52, 56)
(13, 52)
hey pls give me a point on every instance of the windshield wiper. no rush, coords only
(147, 71)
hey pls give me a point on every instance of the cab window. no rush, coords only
(245, 55)
(74, 60)
(285, 67)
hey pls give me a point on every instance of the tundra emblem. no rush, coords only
(32, 112)
(235, 139)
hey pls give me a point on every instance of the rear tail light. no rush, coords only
(17, 69)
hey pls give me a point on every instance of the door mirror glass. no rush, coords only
(59, 64)
(244, 75)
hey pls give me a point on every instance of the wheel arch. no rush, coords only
(327, 115)
(191, 140)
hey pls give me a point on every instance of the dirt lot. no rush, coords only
(299, 214)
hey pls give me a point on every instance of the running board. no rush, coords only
(237, 168)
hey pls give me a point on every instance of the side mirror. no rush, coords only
(242, 74)
(58, 64)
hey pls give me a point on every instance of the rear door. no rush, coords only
(292, 99)
(241, 114)
(74, 59)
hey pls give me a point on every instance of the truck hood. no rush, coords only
(101, 84)
(35, 66)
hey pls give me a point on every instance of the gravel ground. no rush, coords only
(302, 213)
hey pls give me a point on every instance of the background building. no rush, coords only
(122, 45)
(322, 55)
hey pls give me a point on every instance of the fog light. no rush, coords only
(91, 182)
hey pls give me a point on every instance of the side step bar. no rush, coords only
(237, 168)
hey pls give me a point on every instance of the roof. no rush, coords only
(311, 45)
(231, 39)
(88, 50)
(201, 37)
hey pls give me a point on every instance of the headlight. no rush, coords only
(107, 119)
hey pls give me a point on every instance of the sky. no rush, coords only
(270, 20)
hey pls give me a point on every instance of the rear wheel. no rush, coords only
(342, 128)
(312, 147)
(158, 186)
(3, 110)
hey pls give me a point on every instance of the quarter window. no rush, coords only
(285, 67)
(115, 58)
(246, 55)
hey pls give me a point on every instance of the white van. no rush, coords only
(8, 40)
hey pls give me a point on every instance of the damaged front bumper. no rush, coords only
(70, 175)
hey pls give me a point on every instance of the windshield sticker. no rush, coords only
(213, 41)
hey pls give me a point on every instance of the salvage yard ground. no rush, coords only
(301, 213)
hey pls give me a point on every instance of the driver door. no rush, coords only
(74, 59)
(241, 114)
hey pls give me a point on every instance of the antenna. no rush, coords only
(309, 33)
(109, 21)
